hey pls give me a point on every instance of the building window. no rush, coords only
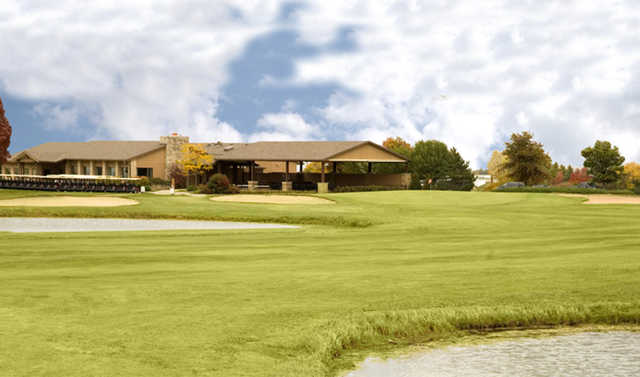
(27, 171)
(73, 169)
(98, 170)
(145, 172)
(111, 170)
(86, 170)
(125, 172)
(7, 171)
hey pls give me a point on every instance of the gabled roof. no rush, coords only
(90, 150)
(289, 150)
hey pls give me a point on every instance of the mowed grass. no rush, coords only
(371, 271)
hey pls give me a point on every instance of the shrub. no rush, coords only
(636, 187)
(566, 190)
(219, 184)
(204, 189)
(191, 188)
(366, 188)
(143, 182)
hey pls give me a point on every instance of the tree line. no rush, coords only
(525, 160)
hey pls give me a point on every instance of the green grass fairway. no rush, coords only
(372, 270)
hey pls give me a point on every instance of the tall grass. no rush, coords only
(326, 343)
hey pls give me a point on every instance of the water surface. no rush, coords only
(29, 225)
(588, 354)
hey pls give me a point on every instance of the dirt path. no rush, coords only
(68, 201)
(605, 199)
(272, 199)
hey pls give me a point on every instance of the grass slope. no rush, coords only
(306, 302)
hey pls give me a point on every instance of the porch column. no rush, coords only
(78, 167)
(323, 187)
(91, 172)
(67, 167)
(117, 168)
(252, 184)
(286, 185)
(104, 168)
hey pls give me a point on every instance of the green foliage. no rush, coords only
(604, 162)
(430, 160)
(636, 187)
(526, 160)
(447, 170)
(365, 188)
(459, 175)
(219, 184)
(565, 190)
(414, 184)
(192, 188)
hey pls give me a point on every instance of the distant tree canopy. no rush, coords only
(5, 135)
(526, 160)
(432, 161)
(604, 162)
(399, 146)
(631, 174)
(495, 167)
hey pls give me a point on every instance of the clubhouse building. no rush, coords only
(259, 164)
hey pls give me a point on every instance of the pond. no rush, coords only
(588, 354)
(29, 225)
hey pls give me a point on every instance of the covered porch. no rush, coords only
(281, 165)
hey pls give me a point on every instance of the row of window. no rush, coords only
(97, 170)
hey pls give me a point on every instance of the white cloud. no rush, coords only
(145, 69)
(555, 68)
(56, 117)
(465, 72)
(285, 126)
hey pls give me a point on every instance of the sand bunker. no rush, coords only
(605, 199)
(68, 201)
(272, 199)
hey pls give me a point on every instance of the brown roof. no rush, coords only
(90, 150)
(285, 150)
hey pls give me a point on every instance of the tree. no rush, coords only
(495, 167)
(567, 172)
(579, 176)
(604, 162)
(195, 160)
(631, 174)
(396, 145)
(527, 161)
(559, 178)
(459, 175)
(445, 168)
(5, 136)
(430, 160)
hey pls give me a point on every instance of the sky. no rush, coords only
(467, 73)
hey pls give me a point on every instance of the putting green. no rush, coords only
(373, 271)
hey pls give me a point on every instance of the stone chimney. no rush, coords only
(174, 144)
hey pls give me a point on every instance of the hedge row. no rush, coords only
(565, 190)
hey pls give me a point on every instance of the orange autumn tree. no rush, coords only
(195, 161)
